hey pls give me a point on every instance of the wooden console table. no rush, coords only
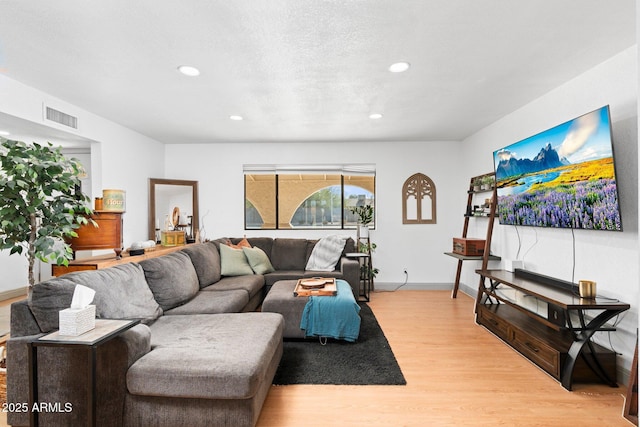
(104, 261)
(558, 341)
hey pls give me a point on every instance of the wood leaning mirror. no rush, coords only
(167, 194)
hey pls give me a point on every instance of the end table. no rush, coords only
(364, 289)
(105, 330)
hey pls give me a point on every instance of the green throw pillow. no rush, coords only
(233, 262)
(258, 260)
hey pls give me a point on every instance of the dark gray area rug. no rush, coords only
(368, 361)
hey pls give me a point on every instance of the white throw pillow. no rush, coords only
(326, 253)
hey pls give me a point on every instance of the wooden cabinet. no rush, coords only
(107, 234)
(557, 340)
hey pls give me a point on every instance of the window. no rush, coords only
(306, 197)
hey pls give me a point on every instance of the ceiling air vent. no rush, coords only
(60, 117)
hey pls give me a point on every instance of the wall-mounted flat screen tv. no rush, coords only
(563, 177)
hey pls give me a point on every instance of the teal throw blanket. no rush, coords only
(332, 316)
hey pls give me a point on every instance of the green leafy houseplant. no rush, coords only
(364, 214)
(40, 202)
(365, 217)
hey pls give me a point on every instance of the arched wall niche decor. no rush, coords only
(418, 200)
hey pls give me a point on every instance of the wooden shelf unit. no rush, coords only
(558, 341)
(486, 257)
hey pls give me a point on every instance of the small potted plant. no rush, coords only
(365, 217)
(486, 182)
(477, 183)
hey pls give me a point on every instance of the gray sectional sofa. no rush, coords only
(201, 356)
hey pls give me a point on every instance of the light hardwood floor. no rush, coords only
(457, 373)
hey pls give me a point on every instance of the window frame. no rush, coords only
(279, 170)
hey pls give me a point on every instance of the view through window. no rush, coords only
(306, 198)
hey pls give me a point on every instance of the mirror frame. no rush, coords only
(152, 202)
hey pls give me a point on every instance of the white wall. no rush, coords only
(419, 248)
(610, 258)
(120, 157)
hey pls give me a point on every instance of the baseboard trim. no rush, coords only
(390, 287)
(13, 293)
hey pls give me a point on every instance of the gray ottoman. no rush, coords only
(280, 299)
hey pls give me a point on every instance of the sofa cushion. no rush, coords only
(271, 278)
(121, 293)
(289, 254)
(233, 262)
(326, 253)
(258, 260)
(206, 260)
(264, 243)
(349, 246)
(172, 278)
(250, 284)
(230, 301)
(197, 356)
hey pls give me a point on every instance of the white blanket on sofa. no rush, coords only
(326, 253)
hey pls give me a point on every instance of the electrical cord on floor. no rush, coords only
(406, 279)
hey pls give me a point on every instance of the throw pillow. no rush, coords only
(233, 262)
(258, 260)
(326, 253)
(244, 243)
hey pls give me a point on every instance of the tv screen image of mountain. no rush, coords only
(563, 177)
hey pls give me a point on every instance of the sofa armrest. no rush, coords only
(22, 321)
(350, 269)
(138, 342)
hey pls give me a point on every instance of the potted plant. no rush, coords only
(40, 202)
(365, 217)
(477, 183)
(485, 182)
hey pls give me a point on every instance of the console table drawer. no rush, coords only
(538, 352)
(494, 323)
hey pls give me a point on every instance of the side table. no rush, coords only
(105, 330)
(365, 276)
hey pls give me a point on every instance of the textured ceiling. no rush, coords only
(307, 70)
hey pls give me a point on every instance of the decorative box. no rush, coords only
(77, 321)
(172, 238)
(468, 247)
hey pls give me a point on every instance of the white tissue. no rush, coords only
(82, 297)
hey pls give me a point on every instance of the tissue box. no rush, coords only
(77, 321)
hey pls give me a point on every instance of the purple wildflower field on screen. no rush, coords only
(588, 205)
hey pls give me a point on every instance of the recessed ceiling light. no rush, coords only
(188, 70)
(399, 67)
(236, 117)
(375, 116)
(4, 133)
